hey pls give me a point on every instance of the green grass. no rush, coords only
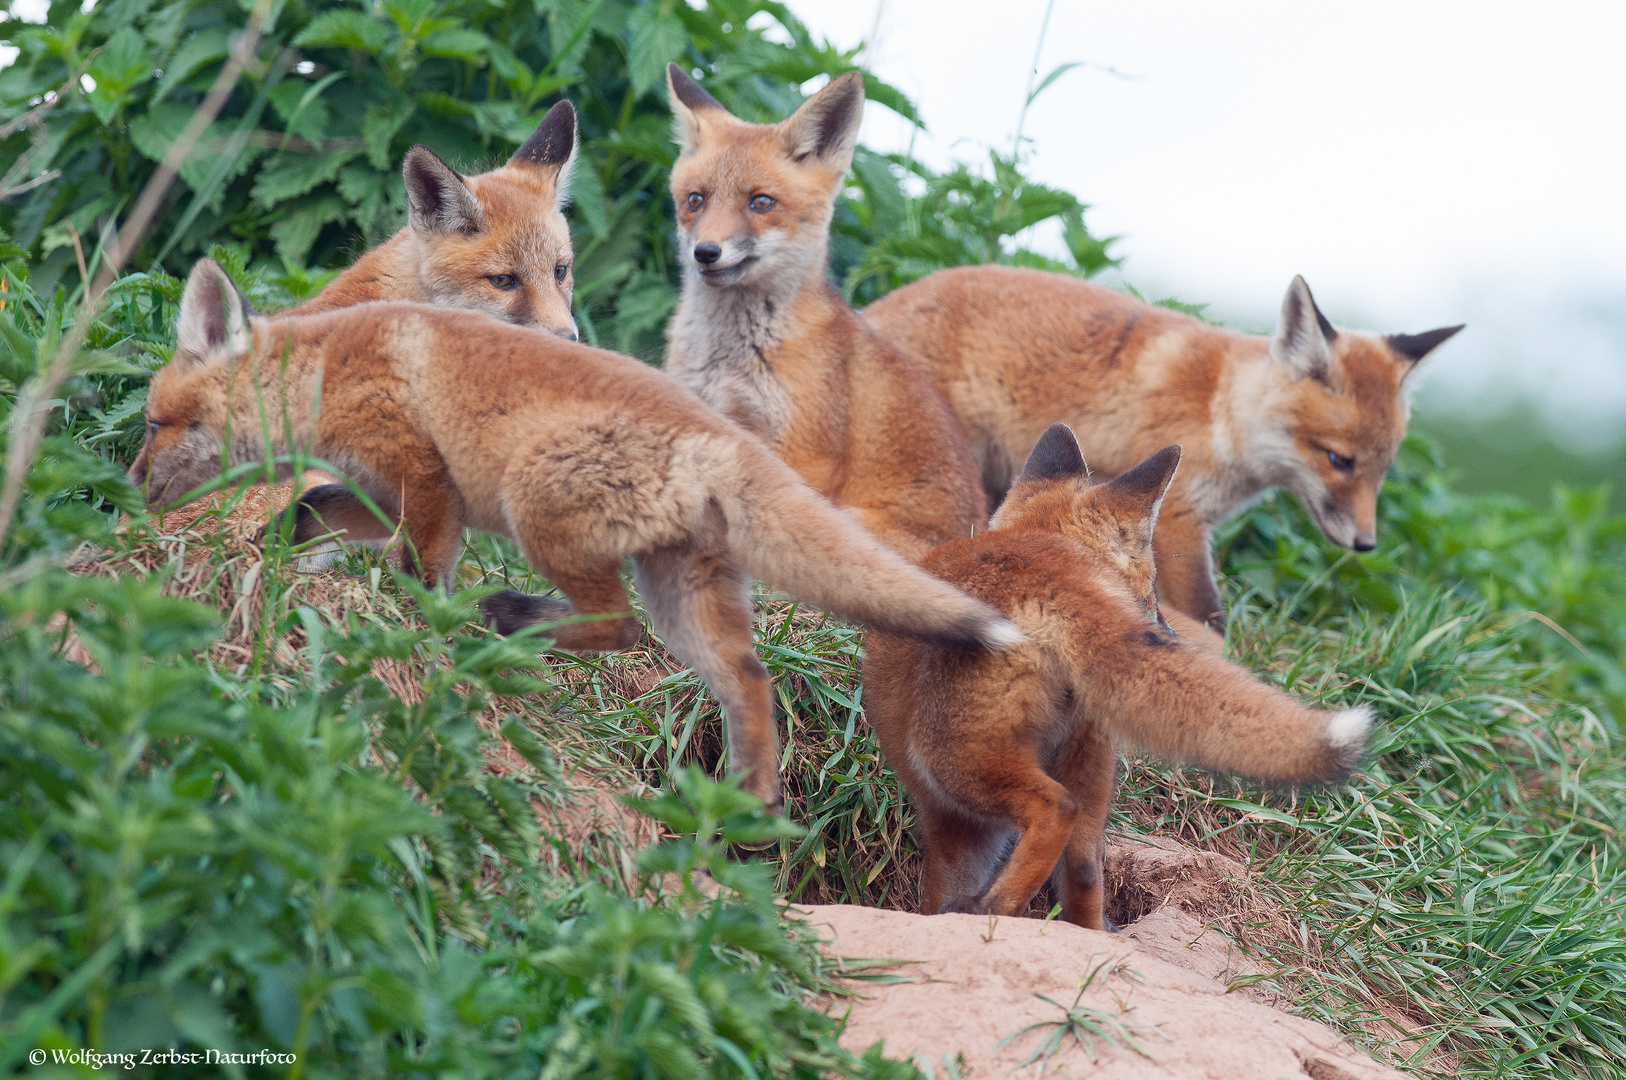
(1457, 907)
(207, 810)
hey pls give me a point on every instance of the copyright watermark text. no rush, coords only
(95, 1059)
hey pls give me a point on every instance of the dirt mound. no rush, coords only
(975, 990)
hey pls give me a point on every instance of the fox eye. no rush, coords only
(504, 282)
(1340, 462)
(763, 203)
(152, 428)
(696, 200)
(561, 272)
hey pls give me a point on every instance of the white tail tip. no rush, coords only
(1348, 727)
(1002, 634)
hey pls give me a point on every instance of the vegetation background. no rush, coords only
(245, 807)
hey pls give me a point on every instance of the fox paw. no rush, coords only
(510, 611)
(964, 905)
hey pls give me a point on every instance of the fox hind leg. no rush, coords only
(1087, 769)
(1044, 812)
(699, 603)
(961, 856)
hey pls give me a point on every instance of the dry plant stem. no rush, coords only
(28, 419)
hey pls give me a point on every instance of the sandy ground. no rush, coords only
(973, 984)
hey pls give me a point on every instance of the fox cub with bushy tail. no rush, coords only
(1317, 410)
(450, 419)
(1019, 745)
(763, 337)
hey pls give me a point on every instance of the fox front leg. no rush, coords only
(433, 521)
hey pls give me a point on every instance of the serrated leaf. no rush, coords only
(379, 126)
(290, 175)
(198, 49)
(155, 131)
(297, 229)
(120, 65)
(656, 39)
(456, 41)
(345, 30)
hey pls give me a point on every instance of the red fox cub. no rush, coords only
(1019, 745)
(765, 339)
(496, 243)
(449, 419)
(1316, 410)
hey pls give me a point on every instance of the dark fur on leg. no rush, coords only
(511, 611)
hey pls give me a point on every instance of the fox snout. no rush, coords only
(1348, 526)
(722, 262)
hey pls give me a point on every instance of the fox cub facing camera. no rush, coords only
(1020, 744)
(764, 338)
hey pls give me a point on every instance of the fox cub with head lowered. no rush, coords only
(763, 337)
(1316, 410)
(449, 420)
(1019, 745)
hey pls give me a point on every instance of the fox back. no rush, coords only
(451, 420)
(763, 337)
(496, 242)
(1318, 410)
(1021, 743)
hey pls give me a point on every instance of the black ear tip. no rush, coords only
(1056, 455)
(563, 108)
(1151, 476)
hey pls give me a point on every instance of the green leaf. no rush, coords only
(645, 302)
(197, 50)
(657, 38)
(345, 29)
(456, 41)
(587, 196)
(296, 230)
(379, 126)
(288, 175)
(117, 68)
(1057, 72)
(154, 132)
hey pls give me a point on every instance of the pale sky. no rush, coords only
(1420, 163)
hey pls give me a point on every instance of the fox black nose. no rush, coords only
(706, 254)
(567, 334)
(1365, 542)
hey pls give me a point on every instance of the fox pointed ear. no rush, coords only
(214, 314)
(1303, 336)
(826, 126)
(690, 106)
(1055, 456)
(1411, 348)
(438, 199)
(1139, 492)
(551, 150)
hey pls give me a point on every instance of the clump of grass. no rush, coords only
(1087, 1027)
